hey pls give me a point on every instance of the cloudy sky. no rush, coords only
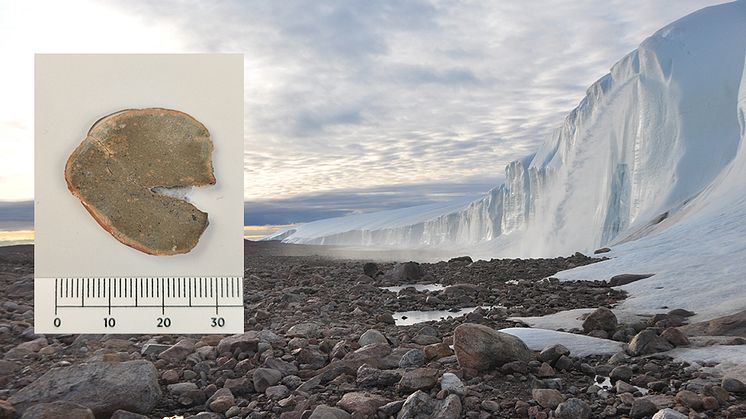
(351, 105)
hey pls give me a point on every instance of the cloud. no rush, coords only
(352, 95)
(316, 206)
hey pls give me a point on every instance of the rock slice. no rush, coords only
(117, 169)
(103, 387)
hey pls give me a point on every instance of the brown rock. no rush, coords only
(418, 379)
(548, 398)
(6, 410)
(58, 409)
(482, 348)
(601, 319)
(675, 337)
(733, 325)
(365, 404)
(689, 399)
(125, 156)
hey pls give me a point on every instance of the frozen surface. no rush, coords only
(579, 345)
(731, 359)
(418, 287)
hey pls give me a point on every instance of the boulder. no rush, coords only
(482, 348)
(648, 342)
(601, 319)
(103, 387)
(418, 404)
(624, 279)
(449, 408)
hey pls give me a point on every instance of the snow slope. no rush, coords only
(647, 142)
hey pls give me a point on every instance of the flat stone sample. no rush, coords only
(118, 169)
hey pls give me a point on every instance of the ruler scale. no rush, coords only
(131, 305)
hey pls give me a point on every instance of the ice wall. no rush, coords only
(647, 138)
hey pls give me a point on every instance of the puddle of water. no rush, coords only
(418, 287)
(408, 318)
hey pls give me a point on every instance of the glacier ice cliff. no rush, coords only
(635, 157)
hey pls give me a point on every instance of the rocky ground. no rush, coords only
(321, 342)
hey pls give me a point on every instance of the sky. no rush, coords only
(351, 106)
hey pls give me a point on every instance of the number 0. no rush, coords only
(57, 322)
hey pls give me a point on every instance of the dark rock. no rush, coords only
(675, 337)
(573, 409)
(460, 259)
(648, 342)
(103, 387)
(624, 279)
(552, 353)
(733, 385)
(622, 372)
(418, 379)
(265, 377)
(418, 404)
(642, 408)
(371, 269)
(413, 358)
(601, 250)
(601, 319)
(326, 412)
(405, 272)
(450, 408)
(372, 336)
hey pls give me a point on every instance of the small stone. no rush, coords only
(326, 412)
(277, 392)
(601, 319)
(391, 409)
(372, 336)
(733, 385)
(418, 404)
(622, 372)
(265, 377)
(221, 400)
(365, 404)
(689, 399)
(552, 353)
(710, 403)
(642, 408)
(418, 379)
(624, 387)
(490, 406)
(545, 370)
(413, 358)
(178, 352)
(547, 398)
(6, 410)
(563, 363)
(669, 414)
(450, 408)
(675, 337)
(573, 409)
(170, 376)
(452, 384)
